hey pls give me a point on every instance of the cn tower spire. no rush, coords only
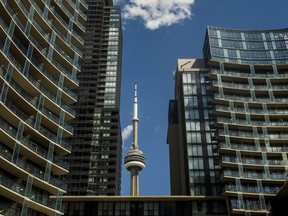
(135, 160)
(135, 119)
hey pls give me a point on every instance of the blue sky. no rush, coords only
(157, 33)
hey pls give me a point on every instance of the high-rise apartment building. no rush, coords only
(39, 53)
(228, 123)
(95, 161)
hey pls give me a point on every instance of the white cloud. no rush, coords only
(157, 13)
(126, 132)
(157, 128)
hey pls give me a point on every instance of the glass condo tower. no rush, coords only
(95, 161)
(39, 53)
(230, 118)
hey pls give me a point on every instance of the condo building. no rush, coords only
(95, 161)
(39, 52)
(228, 122)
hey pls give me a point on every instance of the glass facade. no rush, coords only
(232, 111)
(248, 47)
(250, 99)
(148, 207)
(39, 54)
(95, 161)
(202, 169)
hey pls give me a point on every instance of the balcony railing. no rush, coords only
(246, 75)
(255, 175)
(278, 149)
(249, 99)
(30, 168)
(251, 110)
(252, 122)
(252, 189)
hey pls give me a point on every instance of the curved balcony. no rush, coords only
(53, 120)
(245, 88)
(67, 47)
(253, 112)
(47, 93)
(34, 150)
(243, 77)
(45, 133)
(252, 163)
(249, 207)
(23, 167)
(245, 124)
(274, 177)
(252, 149)
(224, 99)
(44, 35)
(250, 190)
(250, 136)
(41, 132)
(15, 191)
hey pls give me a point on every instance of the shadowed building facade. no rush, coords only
(95, 161)
(39, 53)
(228, 123)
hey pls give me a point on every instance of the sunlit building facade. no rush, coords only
(39, 51)
(95, 161)
(246, 73)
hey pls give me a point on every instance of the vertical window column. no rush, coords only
(59, 136)
(9, 72)
(27, 29)
(260, 186)
(28, 187)
(19, 137)
(252, 70)
(275, 70)
(52, 42)
(25, 206)
(31, 14)
(257, 143)
(37, 122)
(27, 62)
(47, 174)
(6, 46)
(3, 93)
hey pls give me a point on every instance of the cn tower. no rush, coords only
(134, 161)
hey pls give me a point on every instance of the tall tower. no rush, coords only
(134, 161)
(39, 54)
(96, 157)
(228, 123)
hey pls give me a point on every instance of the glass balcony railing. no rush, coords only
(244, 134)
(46, 132)
(29, 143)
(31, 168)
(280, 149)
(246, 75)
(237, 86)
(252, 122)
(63, 70)
(251, 189)
(249, 99)
(255, 175)
(250, 161)
(250, 206)
(10, 182)
(49, 95)
(269, 111)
